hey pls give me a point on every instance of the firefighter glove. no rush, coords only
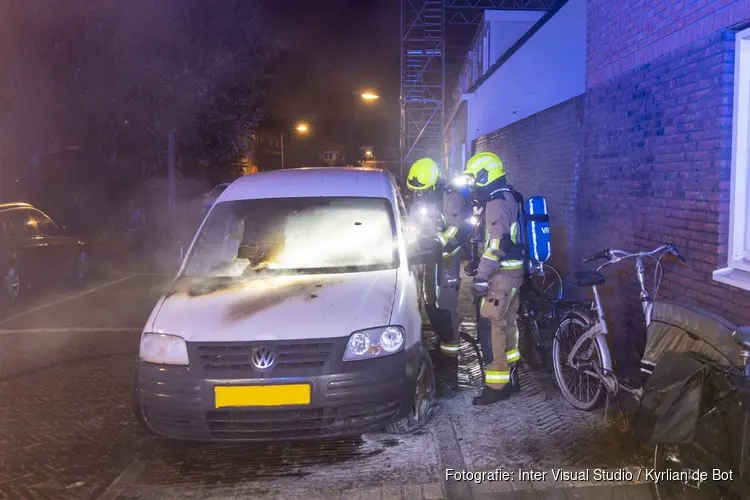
(451, 247)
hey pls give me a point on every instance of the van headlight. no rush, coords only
(374, 343)
(163, 349)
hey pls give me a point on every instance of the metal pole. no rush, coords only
(171, 168)
(282, 150)
(401, 142)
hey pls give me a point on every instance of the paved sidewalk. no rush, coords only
(491, 490)
(626, 483)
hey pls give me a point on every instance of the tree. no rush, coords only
(123, 76)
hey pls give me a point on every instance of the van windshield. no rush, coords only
(295, 236)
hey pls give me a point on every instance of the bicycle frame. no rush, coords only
(599, 330)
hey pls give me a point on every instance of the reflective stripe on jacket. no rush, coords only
(454, 213)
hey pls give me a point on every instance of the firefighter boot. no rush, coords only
(491, 396)
(515, 382)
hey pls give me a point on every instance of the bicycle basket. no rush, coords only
(671, 403)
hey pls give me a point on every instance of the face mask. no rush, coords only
(427, 196)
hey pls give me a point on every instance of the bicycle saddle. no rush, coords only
(588, 278)
(742, 336)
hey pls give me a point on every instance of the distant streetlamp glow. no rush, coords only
(370, 96)
(301, 128)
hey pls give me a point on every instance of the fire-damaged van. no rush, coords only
(294, 315)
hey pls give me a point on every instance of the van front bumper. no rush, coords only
(353, 398)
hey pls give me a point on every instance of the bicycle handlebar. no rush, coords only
(602, 254)
(617, 255)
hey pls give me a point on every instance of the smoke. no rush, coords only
(112, 78)
(144, 234)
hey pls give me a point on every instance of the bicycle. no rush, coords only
(589, 357)
(716, 447)
(540, 301)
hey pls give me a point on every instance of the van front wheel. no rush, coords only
(424, 399)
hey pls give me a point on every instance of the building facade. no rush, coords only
(333, 156)
(647, 145)
(266, 149)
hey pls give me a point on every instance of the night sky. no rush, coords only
(333, 50)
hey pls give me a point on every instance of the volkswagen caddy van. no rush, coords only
(294, 315)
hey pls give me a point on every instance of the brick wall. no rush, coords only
(655, 168)
(640, 160)
(540, 154)
(624, 34)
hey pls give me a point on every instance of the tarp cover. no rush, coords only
(681, 328)
(671, 402)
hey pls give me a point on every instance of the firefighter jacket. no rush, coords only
(501, 239)
(456, 228)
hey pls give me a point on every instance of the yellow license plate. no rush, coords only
(262, 395)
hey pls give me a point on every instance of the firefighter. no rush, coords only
(442, 210)
(498, 276)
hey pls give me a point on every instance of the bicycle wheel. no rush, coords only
(580, 390)
(540, 291)
(549, 283)
(538, 295)
(471, 367)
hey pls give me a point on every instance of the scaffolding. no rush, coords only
(425, 62)
(422, 79)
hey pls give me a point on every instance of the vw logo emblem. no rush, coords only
(263, 358)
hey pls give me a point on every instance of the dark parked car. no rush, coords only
(35, 252)
(210, 198)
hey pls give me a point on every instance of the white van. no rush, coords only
(293, 316)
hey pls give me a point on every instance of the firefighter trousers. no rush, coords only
(443, 313)
(499, 315)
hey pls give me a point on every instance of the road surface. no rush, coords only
(67, 429)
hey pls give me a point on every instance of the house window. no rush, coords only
(737, 272)
(486, 49)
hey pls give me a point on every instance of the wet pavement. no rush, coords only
(67, 429)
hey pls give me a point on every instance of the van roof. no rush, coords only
(311, 182)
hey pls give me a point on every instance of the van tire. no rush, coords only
(424, 399)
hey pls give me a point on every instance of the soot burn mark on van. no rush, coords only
(198, 287)
(266, 296)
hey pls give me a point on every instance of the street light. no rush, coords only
(369, 157)
(301, 128)
(369, 96)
